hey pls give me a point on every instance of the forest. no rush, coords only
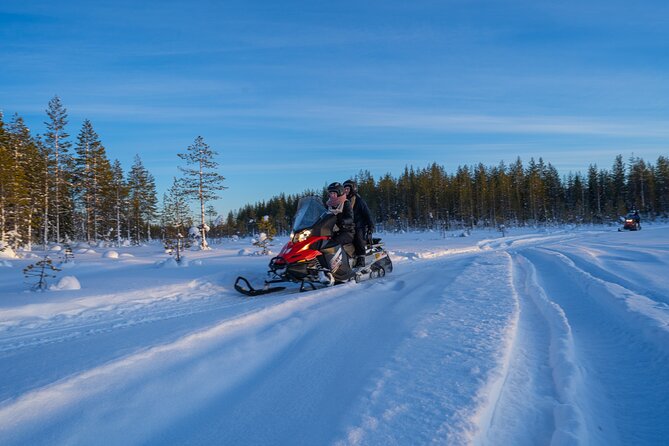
(54, 190)
(489, 196)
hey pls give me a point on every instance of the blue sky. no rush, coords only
(296, 94)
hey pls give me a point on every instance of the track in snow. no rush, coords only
(590, 356)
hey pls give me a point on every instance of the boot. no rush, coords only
(359, 262)
(325, 278)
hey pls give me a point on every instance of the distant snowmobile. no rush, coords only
(631, 222)
(313, 260)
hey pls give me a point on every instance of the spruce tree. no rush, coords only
(5, 176)
(88, 150)
(119, 195)
(618, 187)
(640, 185)
(594, 194)
(142, 200)
(56, 141)
(23, 189)
(176, 213)
(201, 181)
(662, 184)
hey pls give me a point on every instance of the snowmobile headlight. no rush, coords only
(302, 235)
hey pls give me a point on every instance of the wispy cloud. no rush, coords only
(550, 125)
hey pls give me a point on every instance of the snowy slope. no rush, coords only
(540, 337)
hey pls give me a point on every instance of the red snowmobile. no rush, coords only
(631, 222)
(313, 260)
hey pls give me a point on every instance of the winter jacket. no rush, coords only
(344, 214)
(361, 214)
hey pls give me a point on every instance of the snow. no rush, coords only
(554, 336)
(6, 252)
(111, 254)
(66, 283)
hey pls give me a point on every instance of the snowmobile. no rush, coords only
(310, 258)
(631, 222)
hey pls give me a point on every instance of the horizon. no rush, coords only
(295, 96)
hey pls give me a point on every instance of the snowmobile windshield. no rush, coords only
(309, 210)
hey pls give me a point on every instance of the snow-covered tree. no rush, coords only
(201, 181)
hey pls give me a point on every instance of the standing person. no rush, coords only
(339, 205)
(364, 224)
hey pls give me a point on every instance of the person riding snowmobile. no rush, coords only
(339, 205)
(344, 229)
(363, 221)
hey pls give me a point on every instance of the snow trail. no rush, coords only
(422, 395)
(624, 365)
(523, 412)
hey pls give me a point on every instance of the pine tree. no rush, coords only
(594, 194)
(618, 187)
(176, 213)
(119, 196)
(662, 184)
(40, 271)
(503, 189)
(201, 181)
(518, 191)
(142, 200)
(480, 185)
(103, 197)
(266, 233)
(535, 189)
(640, 185)
(5, 177)
(44, 187)
(89, 153)
(56, 141)
(17, 187)
(554, 193)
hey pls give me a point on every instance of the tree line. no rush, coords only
(488, 196)
(52, 190)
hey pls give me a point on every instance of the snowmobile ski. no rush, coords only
(243, 286)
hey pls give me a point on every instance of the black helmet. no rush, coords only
(352, 185)
(336, 187)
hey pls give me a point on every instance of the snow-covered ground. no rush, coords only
(539, 337)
